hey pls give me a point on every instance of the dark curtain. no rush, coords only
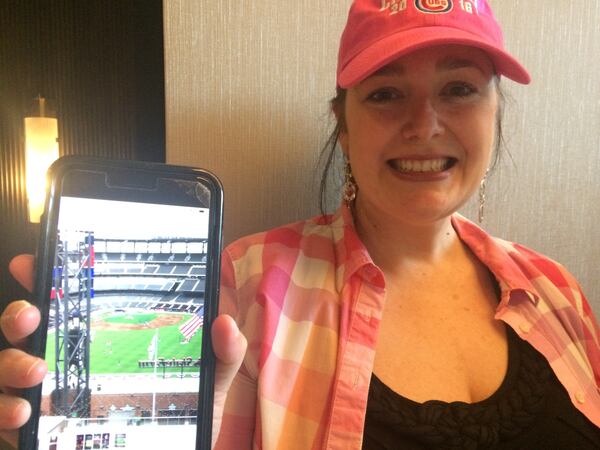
(100, 65)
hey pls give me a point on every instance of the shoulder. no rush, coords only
(281, 248)
(554, 300)
(552, 283)
(549, 276)
(510, 261)
(536, 264)
(561, 311)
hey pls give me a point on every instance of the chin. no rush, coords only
(426, 218)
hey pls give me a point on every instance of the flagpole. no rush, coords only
(154, 380)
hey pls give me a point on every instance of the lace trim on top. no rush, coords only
(502, 416)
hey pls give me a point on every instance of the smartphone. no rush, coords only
(127, 281)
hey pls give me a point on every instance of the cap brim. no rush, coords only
(392, 47)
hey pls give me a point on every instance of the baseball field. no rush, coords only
(120, 340)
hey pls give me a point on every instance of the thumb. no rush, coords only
(229, 346)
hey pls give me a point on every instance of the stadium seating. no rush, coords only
(173, 271)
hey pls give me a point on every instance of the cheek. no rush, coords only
(367, 136)
(488, 136)
(478, 134)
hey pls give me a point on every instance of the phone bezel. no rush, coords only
(45, 260)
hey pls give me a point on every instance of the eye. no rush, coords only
(459, 89)
(384, 95)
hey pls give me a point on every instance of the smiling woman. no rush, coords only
(431, 111)
(405, 324)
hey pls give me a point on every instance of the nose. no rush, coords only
(423, 122)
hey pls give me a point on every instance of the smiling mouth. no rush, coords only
(422, 165)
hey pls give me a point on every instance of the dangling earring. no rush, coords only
(482, 187)
(350, 188)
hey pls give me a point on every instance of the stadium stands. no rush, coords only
(168, 275)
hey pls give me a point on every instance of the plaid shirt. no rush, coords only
(309, 299)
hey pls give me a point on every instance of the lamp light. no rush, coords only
(41, 149)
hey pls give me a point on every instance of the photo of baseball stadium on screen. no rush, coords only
(125, 326)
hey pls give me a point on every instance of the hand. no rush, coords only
(229, 346)
(18, 369)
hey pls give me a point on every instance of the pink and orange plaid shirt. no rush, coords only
(309, 300)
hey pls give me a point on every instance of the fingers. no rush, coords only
(21, 267)
(17, 370)
(15, 412)
(20, 370)
(18, 321)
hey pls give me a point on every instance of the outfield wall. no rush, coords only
(102, 405)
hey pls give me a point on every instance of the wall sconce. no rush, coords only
(41, 149)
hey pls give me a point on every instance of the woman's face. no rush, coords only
(419, 134)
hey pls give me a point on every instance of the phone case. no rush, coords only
(135, 179)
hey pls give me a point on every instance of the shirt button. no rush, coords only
(580, 397)
(524, 327)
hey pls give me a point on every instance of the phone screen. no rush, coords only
(125, 321)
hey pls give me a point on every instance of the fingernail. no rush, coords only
(20, 306)
(25, 306)
(39, 366)
(21, 411)
(233, 323)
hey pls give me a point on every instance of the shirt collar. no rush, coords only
(512, 270)
(351, 255)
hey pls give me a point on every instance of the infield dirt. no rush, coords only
(162, 320)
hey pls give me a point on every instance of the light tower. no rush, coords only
(74, 290)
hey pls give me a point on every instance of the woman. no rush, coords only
(396, 323)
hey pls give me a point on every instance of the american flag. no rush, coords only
(189, 328)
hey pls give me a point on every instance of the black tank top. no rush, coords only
(530, 410)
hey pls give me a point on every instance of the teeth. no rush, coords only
(426, 165)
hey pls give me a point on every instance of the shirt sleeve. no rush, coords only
(237, 428)
(591, 337)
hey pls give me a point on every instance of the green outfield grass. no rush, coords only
(119, 351)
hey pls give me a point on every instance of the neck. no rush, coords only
(396, 244)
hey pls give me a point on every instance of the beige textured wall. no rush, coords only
(550, 198)
(247, 85)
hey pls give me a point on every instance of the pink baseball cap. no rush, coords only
(379, 31)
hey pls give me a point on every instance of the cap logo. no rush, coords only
(434, 6)
(394, 6)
